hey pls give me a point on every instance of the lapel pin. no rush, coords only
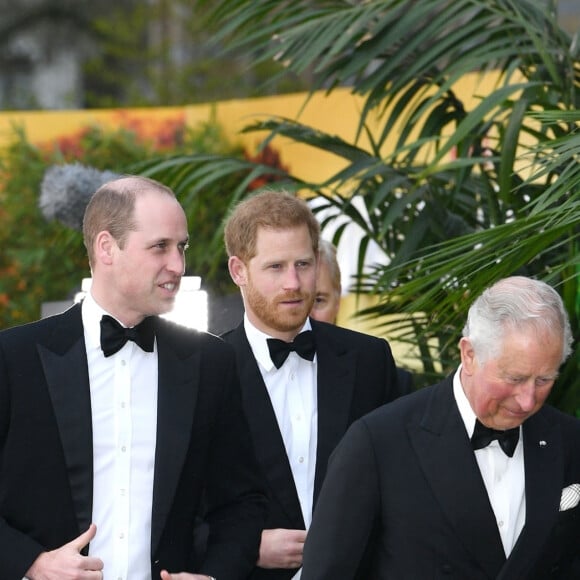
(543, 443)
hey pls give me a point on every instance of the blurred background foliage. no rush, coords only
(127, 53)
(42, 261)
(141, 62)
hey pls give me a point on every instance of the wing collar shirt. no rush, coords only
(124, 420)
(504, 476)
(292, 391)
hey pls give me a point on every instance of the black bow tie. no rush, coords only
(483, 436)
(114, 335)
(302, 345)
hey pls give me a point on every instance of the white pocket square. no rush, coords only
(570, 497)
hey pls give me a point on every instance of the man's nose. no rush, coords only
(291, 279)
(176, 262)
(526, 396)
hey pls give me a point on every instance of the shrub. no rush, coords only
(44, 261)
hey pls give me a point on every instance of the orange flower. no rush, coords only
(267, 156)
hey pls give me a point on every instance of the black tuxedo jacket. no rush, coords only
(406, 480)
(203, 446)
(356, 373)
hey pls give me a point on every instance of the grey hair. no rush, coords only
(327, 255)
(514, 303)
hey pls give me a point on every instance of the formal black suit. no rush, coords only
(406, 479)
(356, 373)
(46, 449)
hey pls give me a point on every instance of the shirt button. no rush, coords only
(121, 536)
(123, 363)
(123, 449)
(500, 523)
(301, 460)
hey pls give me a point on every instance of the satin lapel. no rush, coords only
(64, 362)
(268, 442)
(336, 383)
(445, 455)
(544, 467)
(178, 378)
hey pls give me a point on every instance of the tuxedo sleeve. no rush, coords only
(346, 512)
(17, 550)
(235, 500)
(394, 384)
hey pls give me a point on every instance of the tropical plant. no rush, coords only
(457, 191)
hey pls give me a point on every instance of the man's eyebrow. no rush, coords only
(167, 240)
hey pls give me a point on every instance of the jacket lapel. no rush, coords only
(445, 454)
(176, 400)
(335, 387)
(64, 362)
(268, 442)
(544, 466)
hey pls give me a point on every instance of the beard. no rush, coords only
(281, 319)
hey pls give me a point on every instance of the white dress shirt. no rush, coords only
(124, 420)
(292, 391)
(503, 476)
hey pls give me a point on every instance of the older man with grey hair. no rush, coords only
(474, 477)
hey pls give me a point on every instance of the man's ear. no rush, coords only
(238, 271)
(105, 246)
(467, 355)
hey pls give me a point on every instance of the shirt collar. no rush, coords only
(463, 405)
(258, 344)
(92, 314)
(465, 410)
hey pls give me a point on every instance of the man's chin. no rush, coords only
(291, 325)
(164, 307)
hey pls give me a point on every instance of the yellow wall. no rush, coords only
(336, 114)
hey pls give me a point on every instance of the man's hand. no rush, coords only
(67, 562)
(281, 548)
(165, 575)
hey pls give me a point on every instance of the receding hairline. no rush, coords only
(113, 205)
(137, 185)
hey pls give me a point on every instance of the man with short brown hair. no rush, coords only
(303, 381)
